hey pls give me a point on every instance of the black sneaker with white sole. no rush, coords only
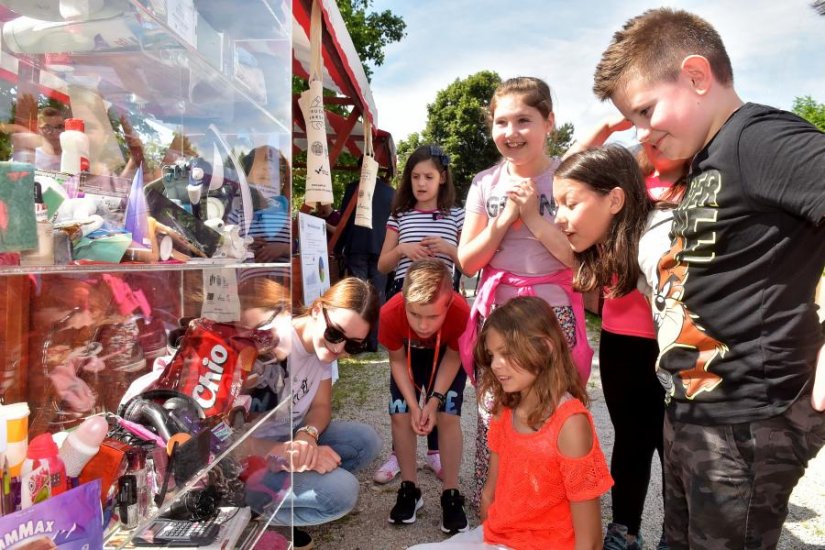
(453, 517)
(301, 540)
(407, 503)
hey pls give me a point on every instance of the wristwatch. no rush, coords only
(311, 430)
(441, 399)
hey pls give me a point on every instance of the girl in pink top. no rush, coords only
(627, 364)
(509, 231)
(547, 471)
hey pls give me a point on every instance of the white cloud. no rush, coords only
(776, 49)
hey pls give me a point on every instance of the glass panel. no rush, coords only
(194, 97)
(145, 238)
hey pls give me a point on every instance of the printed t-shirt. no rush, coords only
(519, 251)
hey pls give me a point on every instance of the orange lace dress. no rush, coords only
(536, 483)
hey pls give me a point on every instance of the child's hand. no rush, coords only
(415, 251)
(510, 215)
(428, 417)
(526, 196)
(415, 420)
(437, 245)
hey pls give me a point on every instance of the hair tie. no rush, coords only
(438, 152)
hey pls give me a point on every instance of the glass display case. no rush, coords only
(144, 232)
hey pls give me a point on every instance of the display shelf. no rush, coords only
(129, 267)
(125, 536)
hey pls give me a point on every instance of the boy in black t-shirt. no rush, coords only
(738, 333)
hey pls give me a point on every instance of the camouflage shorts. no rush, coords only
(728, 486)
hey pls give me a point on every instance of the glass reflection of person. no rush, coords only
(267, 173)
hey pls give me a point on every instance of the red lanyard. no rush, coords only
(435, 361)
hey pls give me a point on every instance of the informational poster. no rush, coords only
(314, 262)
(314, 256)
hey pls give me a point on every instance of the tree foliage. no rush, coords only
(457, 121)
(810, 110)
(372, 32)
(560, 140)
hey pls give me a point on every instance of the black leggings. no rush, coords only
(635, 401)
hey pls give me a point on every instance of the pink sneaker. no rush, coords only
(387, 471)
(433, 463)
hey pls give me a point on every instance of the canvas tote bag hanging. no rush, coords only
(319, 180)
(366, 186)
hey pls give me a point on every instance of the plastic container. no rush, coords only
(43, 474)
(83, 444)
(16, 418)
(75, 144)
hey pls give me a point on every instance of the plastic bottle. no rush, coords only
(43, 473)
(83, 444)
(75, 144)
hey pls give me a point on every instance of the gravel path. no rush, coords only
(361, 394)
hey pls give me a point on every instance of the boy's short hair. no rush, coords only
(652, 46)
(426, 281)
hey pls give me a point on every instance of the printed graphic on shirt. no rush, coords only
(676, 326)
(495, 204)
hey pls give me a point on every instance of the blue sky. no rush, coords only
(777, 49)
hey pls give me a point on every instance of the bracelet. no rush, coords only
(312, 431)
(440, 396)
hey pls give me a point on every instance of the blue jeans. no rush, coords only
(320, 498)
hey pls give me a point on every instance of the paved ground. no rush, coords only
(361, 394)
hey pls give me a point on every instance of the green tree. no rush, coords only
(403, 151)
(810, 110)
(457, 120)
(372, 32)
(560, 140)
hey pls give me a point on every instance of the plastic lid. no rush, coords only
(14, 410)
(75, 124)
(42, 446)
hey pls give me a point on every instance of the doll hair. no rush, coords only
(405, 199)
(602, 170)
(426, 281)
(533, 91)
(351, 293)
(535, 343)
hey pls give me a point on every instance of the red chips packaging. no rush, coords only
(212, 362)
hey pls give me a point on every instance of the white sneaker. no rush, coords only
(433, 463)
(387, 471)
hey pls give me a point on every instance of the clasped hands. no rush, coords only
(424, 420)
(426, 248)
(522, 204)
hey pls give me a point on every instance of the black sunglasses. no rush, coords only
(334, 335)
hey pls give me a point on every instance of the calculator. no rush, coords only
(175, 532)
